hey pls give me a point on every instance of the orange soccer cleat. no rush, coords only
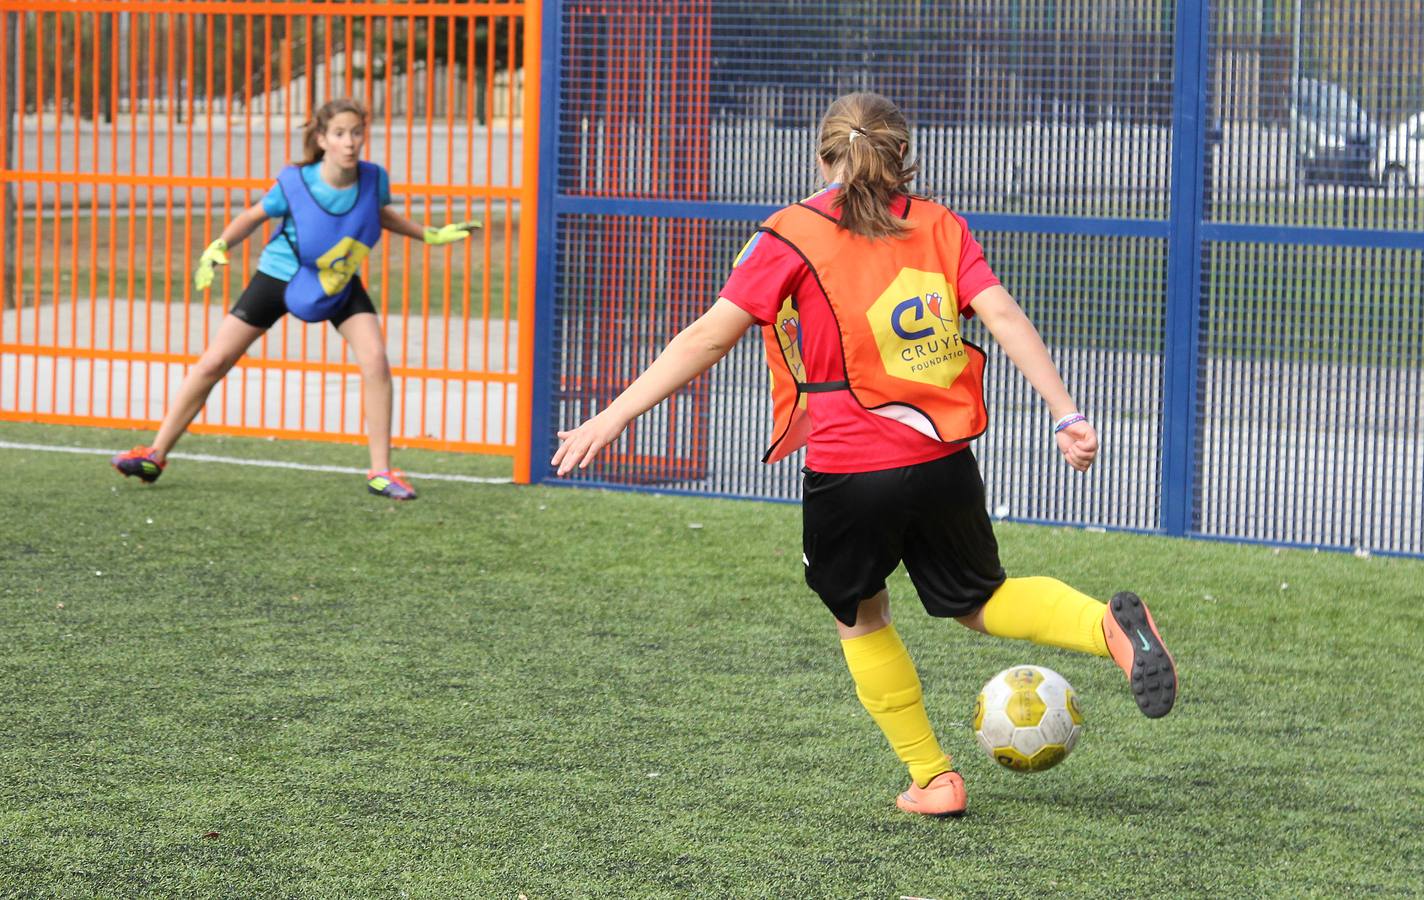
(1138, 650)
(139, 462)
(390, 483)
(943, 796)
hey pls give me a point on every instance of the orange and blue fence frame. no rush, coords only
(132, 132)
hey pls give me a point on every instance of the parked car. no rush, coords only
(1399, 161)
(1335, 139)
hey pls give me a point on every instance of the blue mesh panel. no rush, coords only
(1098, 304)
(627, 285)
(1226, 283)
(633, 117)
(1314, 118)
(1051, 108)
(1312, 397)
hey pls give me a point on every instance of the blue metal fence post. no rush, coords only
(541, 436)
(1189, 125)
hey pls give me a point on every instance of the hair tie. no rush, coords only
(855, 133)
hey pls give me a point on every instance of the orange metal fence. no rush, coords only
(132, 132)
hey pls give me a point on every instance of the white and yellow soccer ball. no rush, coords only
(1028, 719)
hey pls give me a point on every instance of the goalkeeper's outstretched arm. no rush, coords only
(396, 223)
(215, 254)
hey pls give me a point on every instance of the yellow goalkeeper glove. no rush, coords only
(214, 256)
(449, 234)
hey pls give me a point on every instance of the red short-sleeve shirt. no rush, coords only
(845, 437)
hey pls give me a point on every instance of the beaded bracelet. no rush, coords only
(1070, 419)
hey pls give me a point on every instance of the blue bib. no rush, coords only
(329, 248)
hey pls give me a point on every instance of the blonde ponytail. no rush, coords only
(864, 136)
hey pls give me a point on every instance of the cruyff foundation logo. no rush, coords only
(916, 325)
(935, 302)
(337, 266)
(788, 336)
(932, 301)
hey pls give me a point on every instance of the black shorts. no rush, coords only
(264, 302)
(856, 528)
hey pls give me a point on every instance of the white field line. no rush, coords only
(261, 463)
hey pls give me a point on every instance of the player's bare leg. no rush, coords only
(233, 338)
(363, 333)
(231, 341)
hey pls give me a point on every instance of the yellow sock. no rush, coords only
(1047, 611)
(889, 688)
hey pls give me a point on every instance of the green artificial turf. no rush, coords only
(264, 682)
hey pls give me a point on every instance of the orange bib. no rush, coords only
(896, 305)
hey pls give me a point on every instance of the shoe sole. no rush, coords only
(372, 490)
(1154, 673)
(943, 815)
(140, 475)
(906, 803)
(954, 814)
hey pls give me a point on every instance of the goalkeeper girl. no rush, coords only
(333, 207)
(859, 290)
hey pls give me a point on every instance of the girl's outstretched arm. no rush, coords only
(246, 222)
(693, 351)
(1077, 441)
(395, 222)
(215, 254)
(447, 234)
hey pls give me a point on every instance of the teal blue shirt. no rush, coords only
(277, 259)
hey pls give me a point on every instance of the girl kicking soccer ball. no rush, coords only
(859, 290)
(333, 207)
